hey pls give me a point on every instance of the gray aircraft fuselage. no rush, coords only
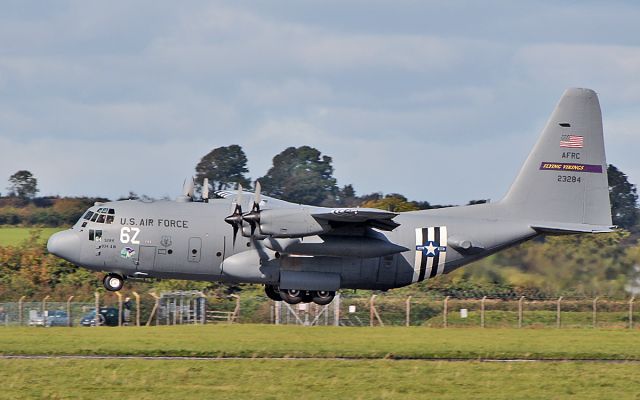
(189, 240)
(562, 188)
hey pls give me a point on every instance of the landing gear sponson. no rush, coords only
(294, 296)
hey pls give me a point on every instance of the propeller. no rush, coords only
(235, 219)
(188, 188)
(253, 216)
(205, 190)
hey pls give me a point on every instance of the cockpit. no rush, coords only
(102, 215)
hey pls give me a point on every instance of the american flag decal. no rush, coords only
(571, 141)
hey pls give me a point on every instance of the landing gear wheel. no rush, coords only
(323, 297)
(291, 296)
(113, 282)
(272, 292)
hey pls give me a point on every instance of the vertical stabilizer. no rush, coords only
(564, 179)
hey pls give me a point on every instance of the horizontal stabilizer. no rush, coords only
(558, 227)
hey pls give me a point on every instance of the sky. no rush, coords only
(439, 101)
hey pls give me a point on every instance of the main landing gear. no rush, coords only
(294, 296)
(113, 282)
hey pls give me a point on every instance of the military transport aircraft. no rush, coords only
(304, 253)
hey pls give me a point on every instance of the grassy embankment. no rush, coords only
(12, 236)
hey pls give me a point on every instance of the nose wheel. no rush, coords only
(113, 282)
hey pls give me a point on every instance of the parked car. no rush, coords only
(53, 318)
(108, 317)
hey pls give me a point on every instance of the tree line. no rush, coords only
(576, 265)
(297, 174)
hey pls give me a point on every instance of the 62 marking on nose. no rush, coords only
(129, 235)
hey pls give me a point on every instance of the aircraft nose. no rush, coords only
(65, 244)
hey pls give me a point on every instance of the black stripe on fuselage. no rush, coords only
(436, 258)
(423, 257)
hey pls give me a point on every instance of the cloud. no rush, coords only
(395, 93)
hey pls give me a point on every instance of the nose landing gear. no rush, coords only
(113, 282)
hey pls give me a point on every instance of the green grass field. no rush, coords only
(370, 376)
(296, 341)
(12, 236)
(323, 379)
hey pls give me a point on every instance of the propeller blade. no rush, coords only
(188, 187)
(256, 197)
(205, 189)
(235, 234)
(235, 219)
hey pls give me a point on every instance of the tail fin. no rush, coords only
(563, 183)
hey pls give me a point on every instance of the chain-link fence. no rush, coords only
(190, 307)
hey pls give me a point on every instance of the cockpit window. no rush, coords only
(102, 216)
(95, 235)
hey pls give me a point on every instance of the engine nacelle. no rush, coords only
(252, 266)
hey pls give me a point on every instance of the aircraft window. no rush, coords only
(91, 234)
(109, 219)
(84, 224)
(101, 219)
(94, 217)
(88, 215)
(98, 235)
(111, 211)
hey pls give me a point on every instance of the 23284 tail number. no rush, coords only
(569, 178)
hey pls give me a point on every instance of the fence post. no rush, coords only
(44, 308)
(137, 296)
(236, 310)
(520, 311)
(371, 314)
(482, 311)
(336, 310)
(558, 320)
(97, 319)
(154, 311)
(408, 311)
(445, 311)
(119, 308)
(69, 310)
(631, 312)
(595, 312)
(20, 310)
